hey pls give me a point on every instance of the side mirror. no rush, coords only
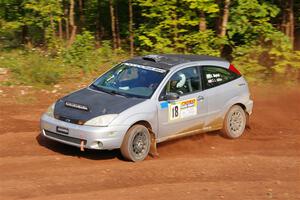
(171, 96)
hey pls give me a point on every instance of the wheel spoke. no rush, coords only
(139, 143)
(235, 122)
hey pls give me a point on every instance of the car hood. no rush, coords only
(86, 104)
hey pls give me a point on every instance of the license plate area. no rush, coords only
(63, 130)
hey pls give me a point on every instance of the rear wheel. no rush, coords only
(136, 143)
(234, 122)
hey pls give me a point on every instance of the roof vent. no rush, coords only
(153, 58)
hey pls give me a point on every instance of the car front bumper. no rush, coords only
(109, 137)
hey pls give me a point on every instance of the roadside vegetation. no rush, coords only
(44, 42)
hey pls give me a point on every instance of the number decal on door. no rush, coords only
(182, 109)
(174, 111)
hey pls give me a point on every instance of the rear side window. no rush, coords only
(215, 76)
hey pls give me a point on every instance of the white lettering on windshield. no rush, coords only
(146, 67)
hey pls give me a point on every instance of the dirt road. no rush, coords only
(263, 164)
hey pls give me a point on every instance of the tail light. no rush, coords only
(234, 70)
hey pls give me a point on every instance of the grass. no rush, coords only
(38, 69)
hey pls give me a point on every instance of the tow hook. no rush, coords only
(82, 145)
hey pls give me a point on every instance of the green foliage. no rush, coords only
(45, 14)
(161, 34)
(105, 51)
(43, 11)
(38, 68)
(33, 20)
(208, 6)
(261, 62)
(173, 27)
(203, 43)
(81, 52)
(260, 51)
(250, 21)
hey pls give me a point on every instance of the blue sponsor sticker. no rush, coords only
(164, 105)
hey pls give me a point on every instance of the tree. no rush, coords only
(99, 31)
(81, 14)
(288, 24)
(225, 18)
(113, 24)
(130, 27)
(117, 24)
(72, 23)
(67, 24)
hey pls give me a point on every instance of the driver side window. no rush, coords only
(183, 82)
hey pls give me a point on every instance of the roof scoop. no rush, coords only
(153, 58)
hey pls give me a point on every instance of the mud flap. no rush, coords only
(153, 148)
(248, 121)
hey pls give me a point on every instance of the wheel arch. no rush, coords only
(241, 105)
(146, 124)
(238, 100)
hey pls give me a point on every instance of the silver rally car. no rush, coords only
(147, 100)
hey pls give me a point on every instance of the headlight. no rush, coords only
(50, 110)
(103, 120)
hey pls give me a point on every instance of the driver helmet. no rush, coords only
(178, 80)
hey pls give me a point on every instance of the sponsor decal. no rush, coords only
(183, 109)
(77, 106)
(164, 105)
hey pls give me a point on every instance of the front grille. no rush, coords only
(69, 120)
(64, 138)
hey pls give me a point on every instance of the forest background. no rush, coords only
(46, 42)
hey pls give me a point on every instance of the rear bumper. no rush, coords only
(93, 137)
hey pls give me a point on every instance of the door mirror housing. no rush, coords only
(171, 96)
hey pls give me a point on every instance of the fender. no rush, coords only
(235, 100)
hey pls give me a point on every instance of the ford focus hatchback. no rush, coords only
(147, 100)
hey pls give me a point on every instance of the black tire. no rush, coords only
(234, 122)
(136, 143)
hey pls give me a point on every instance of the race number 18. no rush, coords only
(174, 111)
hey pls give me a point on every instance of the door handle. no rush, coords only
(200, 98)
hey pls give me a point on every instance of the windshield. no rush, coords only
(130, 80)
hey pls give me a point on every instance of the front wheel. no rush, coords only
(136, 143)
(234, 122)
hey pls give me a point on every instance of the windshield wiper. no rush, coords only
(111, 92)
(101, 89)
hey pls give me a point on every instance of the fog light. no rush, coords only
(100, 145)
